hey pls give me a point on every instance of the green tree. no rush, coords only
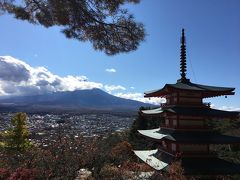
(17, 136)
(105, 23)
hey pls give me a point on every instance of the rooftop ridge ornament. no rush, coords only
(183, 62)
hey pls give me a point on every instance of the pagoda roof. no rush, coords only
(194, 111)
(152, 133)
(207, 91)
(210, 137)
(148, 157)
(184, 84)
(153, 111)
(203, 137)
(159, 160)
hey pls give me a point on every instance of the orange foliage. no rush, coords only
(132, 166)
(121, 148)
(175, 171)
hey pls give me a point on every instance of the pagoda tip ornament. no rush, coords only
(183, 61)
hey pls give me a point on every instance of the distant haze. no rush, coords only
(94, 99)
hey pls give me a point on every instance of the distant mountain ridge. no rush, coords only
(95, 99)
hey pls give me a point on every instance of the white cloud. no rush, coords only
(112, 70)
(140, 97)
(132, 87)
(19, 78)
(13, 70)
(225, 108)
(110, 88)
(229, 108)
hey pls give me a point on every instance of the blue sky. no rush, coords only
(213, 48)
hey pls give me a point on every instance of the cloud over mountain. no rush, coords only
(19, 78)
(13, 70)
(110, 88)
(139, 97)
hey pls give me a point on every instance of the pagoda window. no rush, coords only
(190, 94)
(168, 99)
(190, 117)
(171, 99)
(167, 122)
(174, 122)
(189, 100)
(174, 147)
(164, 144)
(191, 123)
(193, 148)
(175, 100)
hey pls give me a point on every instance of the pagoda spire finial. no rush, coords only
(183, 62)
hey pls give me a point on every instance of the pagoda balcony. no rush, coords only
(199, 104)
(178, 153)
(198, 154)
(168, 151)
(184, 127)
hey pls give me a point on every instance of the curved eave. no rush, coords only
(207, 91)
(148, 157)
(214, 88)
(157, 93)
(152, 133)
(203, 138)
(181, 110)
(210, 94)
(152, 111)
(202, 112)
(190, 137)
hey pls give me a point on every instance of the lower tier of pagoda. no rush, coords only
(208, 137)
(188, 144)
(148, 157)
(160, 160)
(190, 111)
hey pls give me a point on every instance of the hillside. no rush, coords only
(93, 99)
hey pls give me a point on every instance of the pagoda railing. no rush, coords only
(181, 127)
(167, 151)
(198, 154)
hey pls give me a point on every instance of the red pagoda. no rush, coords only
(184, 133)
